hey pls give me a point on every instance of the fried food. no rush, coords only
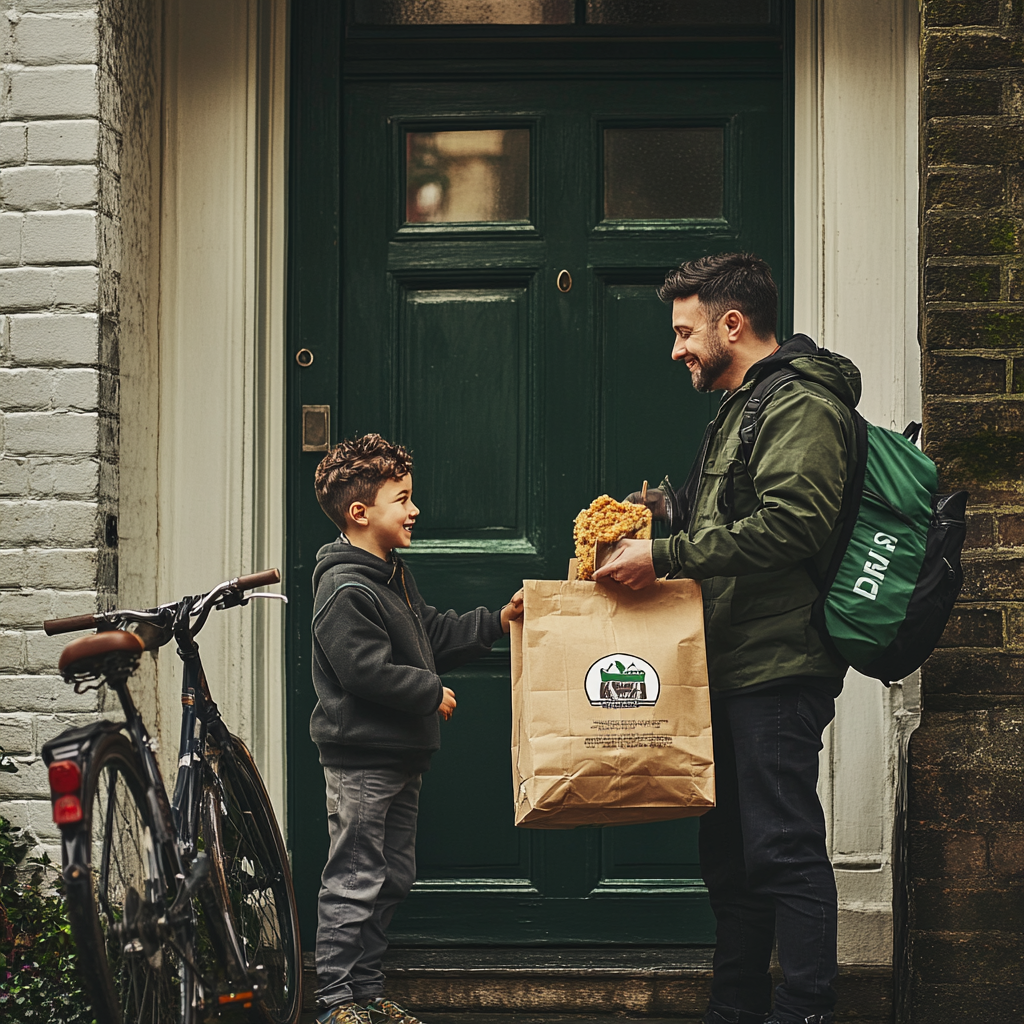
(605, 522)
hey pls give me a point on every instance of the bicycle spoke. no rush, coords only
(256, 884)
(124, 948)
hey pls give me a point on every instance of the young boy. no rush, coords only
(377, 651)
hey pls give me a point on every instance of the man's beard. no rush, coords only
(714, 363)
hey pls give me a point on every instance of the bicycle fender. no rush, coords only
(76, 744)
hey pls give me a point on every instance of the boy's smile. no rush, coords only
(391, 518)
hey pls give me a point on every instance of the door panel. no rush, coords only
(463, 200)
(652, 420)
(464, 376)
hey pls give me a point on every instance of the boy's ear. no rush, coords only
(357, 513)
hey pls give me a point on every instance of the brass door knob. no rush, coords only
(564, 281)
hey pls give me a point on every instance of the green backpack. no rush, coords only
(895, 574)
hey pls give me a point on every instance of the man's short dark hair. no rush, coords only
(727, 280)
(355, 470)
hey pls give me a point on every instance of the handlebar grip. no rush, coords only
(70, 624)
(259, 579)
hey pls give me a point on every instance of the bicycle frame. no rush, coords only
(180, 868)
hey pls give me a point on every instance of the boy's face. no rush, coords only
(391, 517)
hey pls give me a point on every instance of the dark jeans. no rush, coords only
(762, 854)
(371, 815)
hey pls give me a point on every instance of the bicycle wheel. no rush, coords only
(252, 882)
(133, 967)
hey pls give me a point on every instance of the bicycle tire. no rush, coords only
(114, 842)
(252, 882)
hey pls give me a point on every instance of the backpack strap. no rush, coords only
(763, 391)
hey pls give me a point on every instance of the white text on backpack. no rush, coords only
(867, 586)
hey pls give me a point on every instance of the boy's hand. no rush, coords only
(513, 610)
(447, 706)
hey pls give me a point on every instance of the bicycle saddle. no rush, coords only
(113, 651)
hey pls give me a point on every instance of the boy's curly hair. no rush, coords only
(355, 470)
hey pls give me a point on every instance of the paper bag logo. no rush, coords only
(622, 681)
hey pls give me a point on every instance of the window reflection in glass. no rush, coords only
(466, 176)
(679, 12)
(663, 173)
(464, 12)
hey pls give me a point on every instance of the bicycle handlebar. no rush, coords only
(200, 605)
(258, 579)
(71, 623)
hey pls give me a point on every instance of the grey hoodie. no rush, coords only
(378, 649)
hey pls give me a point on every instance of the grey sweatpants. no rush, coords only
(371, 815)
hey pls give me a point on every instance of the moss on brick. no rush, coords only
(962, 12)
(969, 235)
(983, 457)
(974, 328)
(978, 283)
(1004, 237)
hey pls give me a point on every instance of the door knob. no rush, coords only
(564, 281)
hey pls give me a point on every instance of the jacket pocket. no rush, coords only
(766, 594)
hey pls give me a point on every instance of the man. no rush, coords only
(758, 536)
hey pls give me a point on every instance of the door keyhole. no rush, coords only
(564, 281)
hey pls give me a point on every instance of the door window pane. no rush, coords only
(663, 173)
(467, 176)
(679, 12)
(464, 12)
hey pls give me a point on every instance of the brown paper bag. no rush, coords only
(611, 720)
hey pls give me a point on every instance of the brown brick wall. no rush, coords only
(966, 809)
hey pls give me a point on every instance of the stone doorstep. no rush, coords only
(548, 986)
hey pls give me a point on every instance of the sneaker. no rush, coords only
(387, 1011)
(344, 1013)
(733, 1017)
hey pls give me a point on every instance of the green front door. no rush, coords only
(501, 240)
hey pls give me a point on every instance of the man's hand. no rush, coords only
(654, 500)
(513, 610)
(631, 563)
(447, 706)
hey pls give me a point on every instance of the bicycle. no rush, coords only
(182, 910)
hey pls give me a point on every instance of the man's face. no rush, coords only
(698, 344)
(393, 515)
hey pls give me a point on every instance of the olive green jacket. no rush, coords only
(754, 560)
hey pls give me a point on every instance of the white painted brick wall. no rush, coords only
(56, 39)
(48, 188)
(57, 142)
(55, 478)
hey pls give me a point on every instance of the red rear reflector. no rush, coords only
(65, 777)
(67, 809)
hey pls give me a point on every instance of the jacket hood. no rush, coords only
(355, 560)
(829, 369)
